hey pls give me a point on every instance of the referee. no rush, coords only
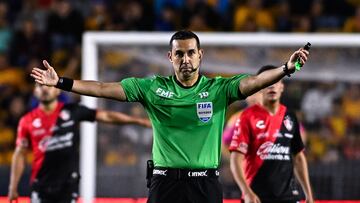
(187, 111)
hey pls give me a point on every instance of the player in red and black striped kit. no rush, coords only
(267, 149)
(52, 132)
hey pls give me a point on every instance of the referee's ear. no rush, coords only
(201, 53)
(169, 54)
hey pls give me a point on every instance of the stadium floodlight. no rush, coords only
(90, 54)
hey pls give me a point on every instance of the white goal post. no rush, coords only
(92, 40)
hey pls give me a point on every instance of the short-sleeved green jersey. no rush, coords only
(187, 122)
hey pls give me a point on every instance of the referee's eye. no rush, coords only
(179, 54)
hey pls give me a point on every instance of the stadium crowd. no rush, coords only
(32, 30)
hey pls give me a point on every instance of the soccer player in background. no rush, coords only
(230, 125)
(187, 111)
(267, 149)
(52, 132)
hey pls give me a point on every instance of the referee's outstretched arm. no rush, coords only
(49, 77)
(252, 84)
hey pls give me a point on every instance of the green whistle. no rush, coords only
(298, 64)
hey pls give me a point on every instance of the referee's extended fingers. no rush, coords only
(304, 53)
(36, 77)
(304, 57)
(303, 50)
(39, 81)
(37, 71)
(47, 65)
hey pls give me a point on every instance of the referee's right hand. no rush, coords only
(47, 77)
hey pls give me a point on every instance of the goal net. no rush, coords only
(113, 158)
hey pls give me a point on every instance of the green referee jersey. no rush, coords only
(187, 122)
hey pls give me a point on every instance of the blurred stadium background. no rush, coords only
(326, 96)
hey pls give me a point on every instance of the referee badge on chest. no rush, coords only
(204, 111)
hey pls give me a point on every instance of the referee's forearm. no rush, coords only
(87, 87)
(253, 84)
(110, 90)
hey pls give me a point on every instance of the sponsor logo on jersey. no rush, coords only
(204, 111)
(288, 123)
(203, 95)
(260, 124)
(164, 93)
(271, 151)
(65, 115)
(56, 142)
(37, 123)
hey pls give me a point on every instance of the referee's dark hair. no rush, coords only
(184, 34)
(265, 68)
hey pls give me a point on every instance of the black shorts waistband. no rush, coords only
(185, 173)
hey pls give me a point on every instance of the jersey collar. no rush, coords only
(187, 87)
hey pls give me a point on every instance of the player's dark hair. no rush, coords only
(265, 68)
(184, 34)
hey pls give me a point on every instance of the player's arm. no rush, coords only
(302, 175)
(17, 169)
(49, 77)
(236, 166)
(120, 118)
(252, 84)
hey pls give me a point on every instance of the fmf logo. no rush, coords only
(204, 111)
(164, 93)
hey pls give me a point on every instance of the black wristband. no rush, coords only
(65, 84)
(286, 70)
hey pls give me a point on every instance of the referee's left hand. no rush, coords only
(300, 54)
(47, 77)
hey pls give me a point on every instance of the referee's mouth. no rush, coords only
(187, 69)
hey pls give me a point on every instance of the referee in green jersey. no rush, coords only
(187, 111)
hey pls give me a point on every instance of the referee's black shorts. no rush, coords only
(185, 187)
